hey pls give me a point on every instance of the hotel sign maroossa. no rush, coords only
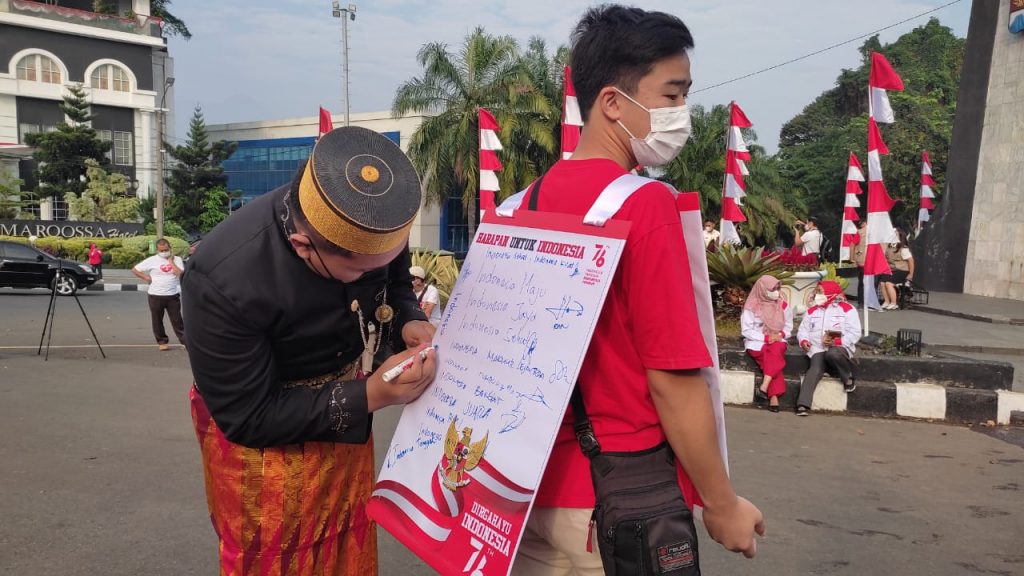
(69, 229)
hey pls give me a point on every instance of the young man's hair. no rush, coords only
(812, 220)
(617, 46)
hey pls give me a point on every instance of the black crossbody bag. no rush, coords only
(643, 525)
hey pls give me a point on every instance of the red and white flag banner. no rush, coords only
(851, 237)
(490, 165)
(572, 120)
(927, 191)
(734, 188)
(882, 79)
(326, 124)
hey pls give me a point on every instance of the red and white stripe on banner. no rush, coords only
(880, 228)
(927, 191)
(734, 188)
(430, 526)
(490, 165)
(572, 120)
(851, 237)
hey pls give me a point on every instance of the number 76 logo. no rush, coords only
(476, 567)
(599, 253)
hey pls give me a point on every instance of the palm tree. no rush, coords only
(771, 203)
(487, 72)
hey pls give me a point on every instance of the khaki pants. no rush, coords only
(555, 544)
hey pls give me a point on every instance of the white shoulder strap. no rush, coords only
(613, 197)
(608, 203)
(511, 204)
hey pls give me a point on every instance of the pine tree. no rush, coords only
(62, 154)
(197, 175)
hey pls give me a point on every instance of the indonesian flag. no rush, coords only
(927, 191)
(882, 78)
(489, 162)
(572, 120)
(851, 237)
(734, 188)
(880, 229)
(326, 125)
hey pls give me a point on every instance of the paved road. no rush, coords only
(101, 476)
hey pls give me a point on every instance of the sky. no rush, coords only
(251, 60)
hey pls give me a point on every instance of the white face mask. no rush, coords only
(164, 254)
(772, 295)
(820, 299)
(670, 129)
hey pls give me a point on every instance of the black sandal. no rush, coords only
(773, 408)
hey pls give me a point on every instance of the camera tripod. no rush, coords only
(51, 312)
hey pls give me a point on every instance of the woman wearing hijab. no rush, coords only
(828, 334)
(766, 323)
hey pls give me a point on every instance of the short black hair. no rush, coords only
(164, 241)
(811, 220)
(615, 45)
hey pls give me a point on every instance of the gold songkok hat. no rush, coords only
(360, 191)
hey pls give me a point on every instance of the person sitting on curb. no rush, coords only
(828, 334)
(766, 323)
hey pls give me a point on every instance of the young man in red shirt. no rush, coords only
(640, 380)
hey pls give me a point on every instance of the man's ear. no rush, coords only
(608, 103)
(301, 244)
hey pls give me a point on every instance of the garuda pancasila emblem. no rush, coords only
(460, 456)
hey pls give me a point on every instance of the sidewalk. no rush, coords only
(965, 325)
(118, 280)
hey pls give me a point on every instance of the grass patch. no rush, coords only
(727, 327)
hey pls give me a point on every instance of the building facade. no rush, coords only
(269, 152)
(122, 61)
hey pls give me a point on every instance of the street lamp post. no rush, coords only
(345, 14)
(161, 118)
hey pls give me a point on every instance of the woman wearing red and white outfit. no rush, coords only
(766, 323)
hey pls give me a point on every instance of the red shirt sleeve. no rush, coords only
(658, 286)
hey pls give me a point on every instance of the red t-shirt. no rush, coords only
(649, 320)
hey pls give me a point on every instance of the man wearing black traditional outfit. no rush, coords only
(291, 297)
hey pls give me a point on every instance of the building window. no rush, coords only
(110, 77)
(121, 83)
(39, 68)
(100, 80)
(123, 148)
(25, 130)
(107, 136)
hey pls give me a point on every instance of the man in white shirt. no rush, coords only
(810, 241)
(163, 274)
(426, 294)
(710, 234)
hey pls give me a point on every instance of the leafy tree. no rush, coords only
(173, 26)
(814, 145)
(62, 154)
(196, 175)
(546, 75)
(487, 72)
(771, 204)
(12, 199)
(214, 205)
(105, 198)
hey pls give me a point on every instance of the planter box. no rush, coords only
(800, 294)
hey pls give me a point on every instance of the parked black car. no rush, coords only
(23, 266)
